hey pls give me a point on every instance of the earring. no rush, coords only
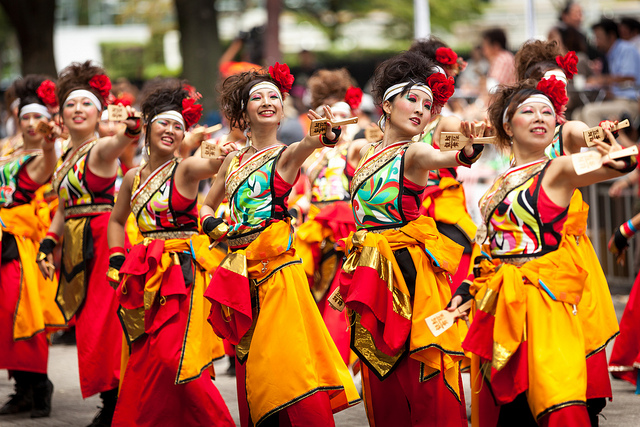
(247, 135)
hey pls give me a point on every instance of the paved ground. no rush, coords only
(70, 410)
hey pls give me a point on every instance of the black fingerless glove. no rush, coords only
(113, 273)
(618, 242)
(630, 163)
(463, 291)
(214, 227)
(331, 142)
(47, 246)
(467, 161)
(116, 261)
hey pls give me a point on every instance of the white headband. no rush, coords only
(35, 108)
(104, 116)
(172, 115)
(560, 75)
(341, 107)
(81, 93)
(266, 85)
(397, 88)
(15, 103)
(531, 100)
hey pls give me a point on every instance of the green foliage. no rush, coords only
(329, 15)
(136, 61)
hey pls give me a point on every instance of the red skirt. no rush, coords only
(148, 393)
(401, 400)
(98, 330)
(625, 356)
(29, 355)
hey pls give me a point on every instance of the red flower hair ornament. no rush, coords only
(282, 76)
(556, 91)
(47, 93)
(568, 63)
(191, 112)
(124, 99)
(193, 93)
(102, 84)
(353, 97)
(446, 56)
(441, 86)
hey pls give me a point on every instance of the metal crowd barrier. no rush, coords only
(605, 214)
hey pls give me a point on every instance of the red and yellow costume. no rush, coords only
(163, 313)
(27, 307)
(318, 239)
(397, 273)
(287, 365)
(596, 311)
(84, 290)
(625, 355)
(526, 336)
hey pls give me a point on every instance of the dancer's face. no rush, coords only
(409, 113)
(80, 115)
(264, 108)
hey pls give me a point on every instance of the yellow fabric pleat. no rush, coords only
(432, 291)
(291, 353)
(525, 311)
(200, 346)
(36, 307)
(450, 206)
(596, 311)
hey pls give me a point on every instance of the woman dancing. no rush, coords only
(85, 182)
(399, 267)
(163, 309)
(289, 371)
(543, 62)
(27, 308)
(526, 329)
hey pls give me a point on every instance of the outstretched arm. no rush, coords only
(561, 178)
(294, 156)
(108, 149)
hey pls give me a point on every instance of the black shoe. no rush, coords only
(42, 393)
(105, 415)
(231, 370)
(20, 401)
(64, 337)
(103, 418)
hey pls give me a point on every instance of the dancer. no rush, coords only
(288, 368)
(625, 355)
(542, 61)
(84, 182)
(27, 308)
(399, 266)
(163, 310)
(526, 329)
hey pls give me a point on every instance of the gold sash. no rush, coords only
(237, 174)
(143, 193)
(371, 162)
(501, 187)
(72, 289)
(66, 165)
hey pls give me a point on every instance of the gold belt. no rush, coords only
(167, 235)
(80, 210)
(243, 240)
(518, 261)
(382, 230)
